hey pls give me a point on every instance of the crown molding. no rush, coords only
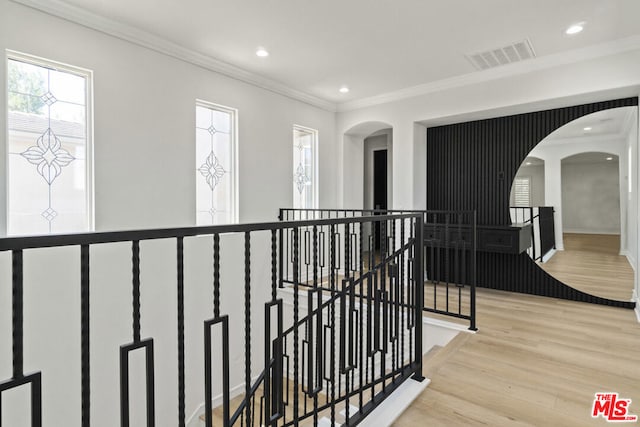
(142, 38)
(535, 64)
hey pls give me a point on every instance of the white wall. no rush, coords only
(633, 231)
(144, 105)
(587, 81)
(553, 151)
(419, 166)
(567, 84)
(591, 197)
(144, 125)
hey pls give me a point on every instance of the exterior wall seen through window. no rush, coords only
(49, 147)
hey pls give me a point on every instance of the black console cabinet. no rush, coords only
(506, 239)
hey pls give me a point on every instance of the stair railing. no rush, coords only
(541, 218)
(449, 250)
(345, 336)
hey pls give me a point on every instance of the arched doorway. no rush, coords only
(367, 166)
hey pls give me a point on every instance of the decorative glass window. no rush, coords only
(522, 186)
(49, 148)
(304, 168)
(216, 181)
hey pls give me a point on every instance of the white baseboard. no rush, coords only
(194, 419)
(426, 320)
(630, 258)
(550, 253)
(589, 231)
(635, 296)
(394, 405)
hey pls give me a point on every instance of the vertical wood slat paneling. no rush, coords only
(471, 165)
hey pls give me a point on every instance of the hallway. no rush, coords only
(591, 263)
(534, 361)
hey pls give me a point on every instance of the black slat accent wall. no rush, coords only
(472, 165)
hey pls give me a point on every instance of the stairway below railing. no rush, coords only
(449, 254)
(350, 336)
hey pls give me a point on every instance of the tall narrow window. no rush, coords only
(49, 151)
(522, 191)
(305, 182)
(216, 141)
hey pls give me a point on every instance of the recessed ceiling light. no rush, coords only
(587, 129)
(574, 29)
(528, 163)
(609, 158)
(262, 52)
(344, 89)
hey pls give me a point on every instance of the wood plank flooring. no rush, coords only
(591, 264)
(535, 361)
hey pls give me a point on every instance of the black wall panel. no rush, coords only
(472, 165)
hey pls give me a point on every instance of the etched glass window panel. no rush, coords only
(215, 167)
(47, 171)
(304, 173)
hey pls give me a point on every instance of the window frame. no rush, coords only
(515, 190)
(235, 140)
(12, 55)
(314, 150)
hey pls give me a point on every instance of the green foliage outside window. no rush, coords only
(25, 89)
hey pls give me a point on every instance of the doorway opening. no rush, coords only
(379, 187)
(378, 175)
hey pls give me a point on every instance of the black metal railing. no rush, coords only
(449, 250)
(324, 346)
(450, 239)
(543, 237)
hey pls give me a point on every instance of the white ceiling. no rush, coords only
(532, 161)
(373, 46)
(613, 123)
(607, 125)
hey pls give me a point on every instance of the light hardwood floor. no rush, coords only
(591, 263)
(534, 361)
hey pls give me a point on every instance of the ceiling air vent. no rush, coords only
(502, 56)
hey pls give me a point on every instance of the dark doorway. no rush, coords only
(379, 187)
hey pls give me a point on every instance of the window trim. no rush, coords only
(315, 187)
(89, 131)
(235, 141)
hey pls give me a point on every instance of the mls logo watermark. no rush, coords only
(612, 408)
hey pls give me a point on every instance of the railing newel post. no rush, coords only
(247, 325)
(474, 279)
(85, 336)
(181, 354)
(296, 307)
(419, 284)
